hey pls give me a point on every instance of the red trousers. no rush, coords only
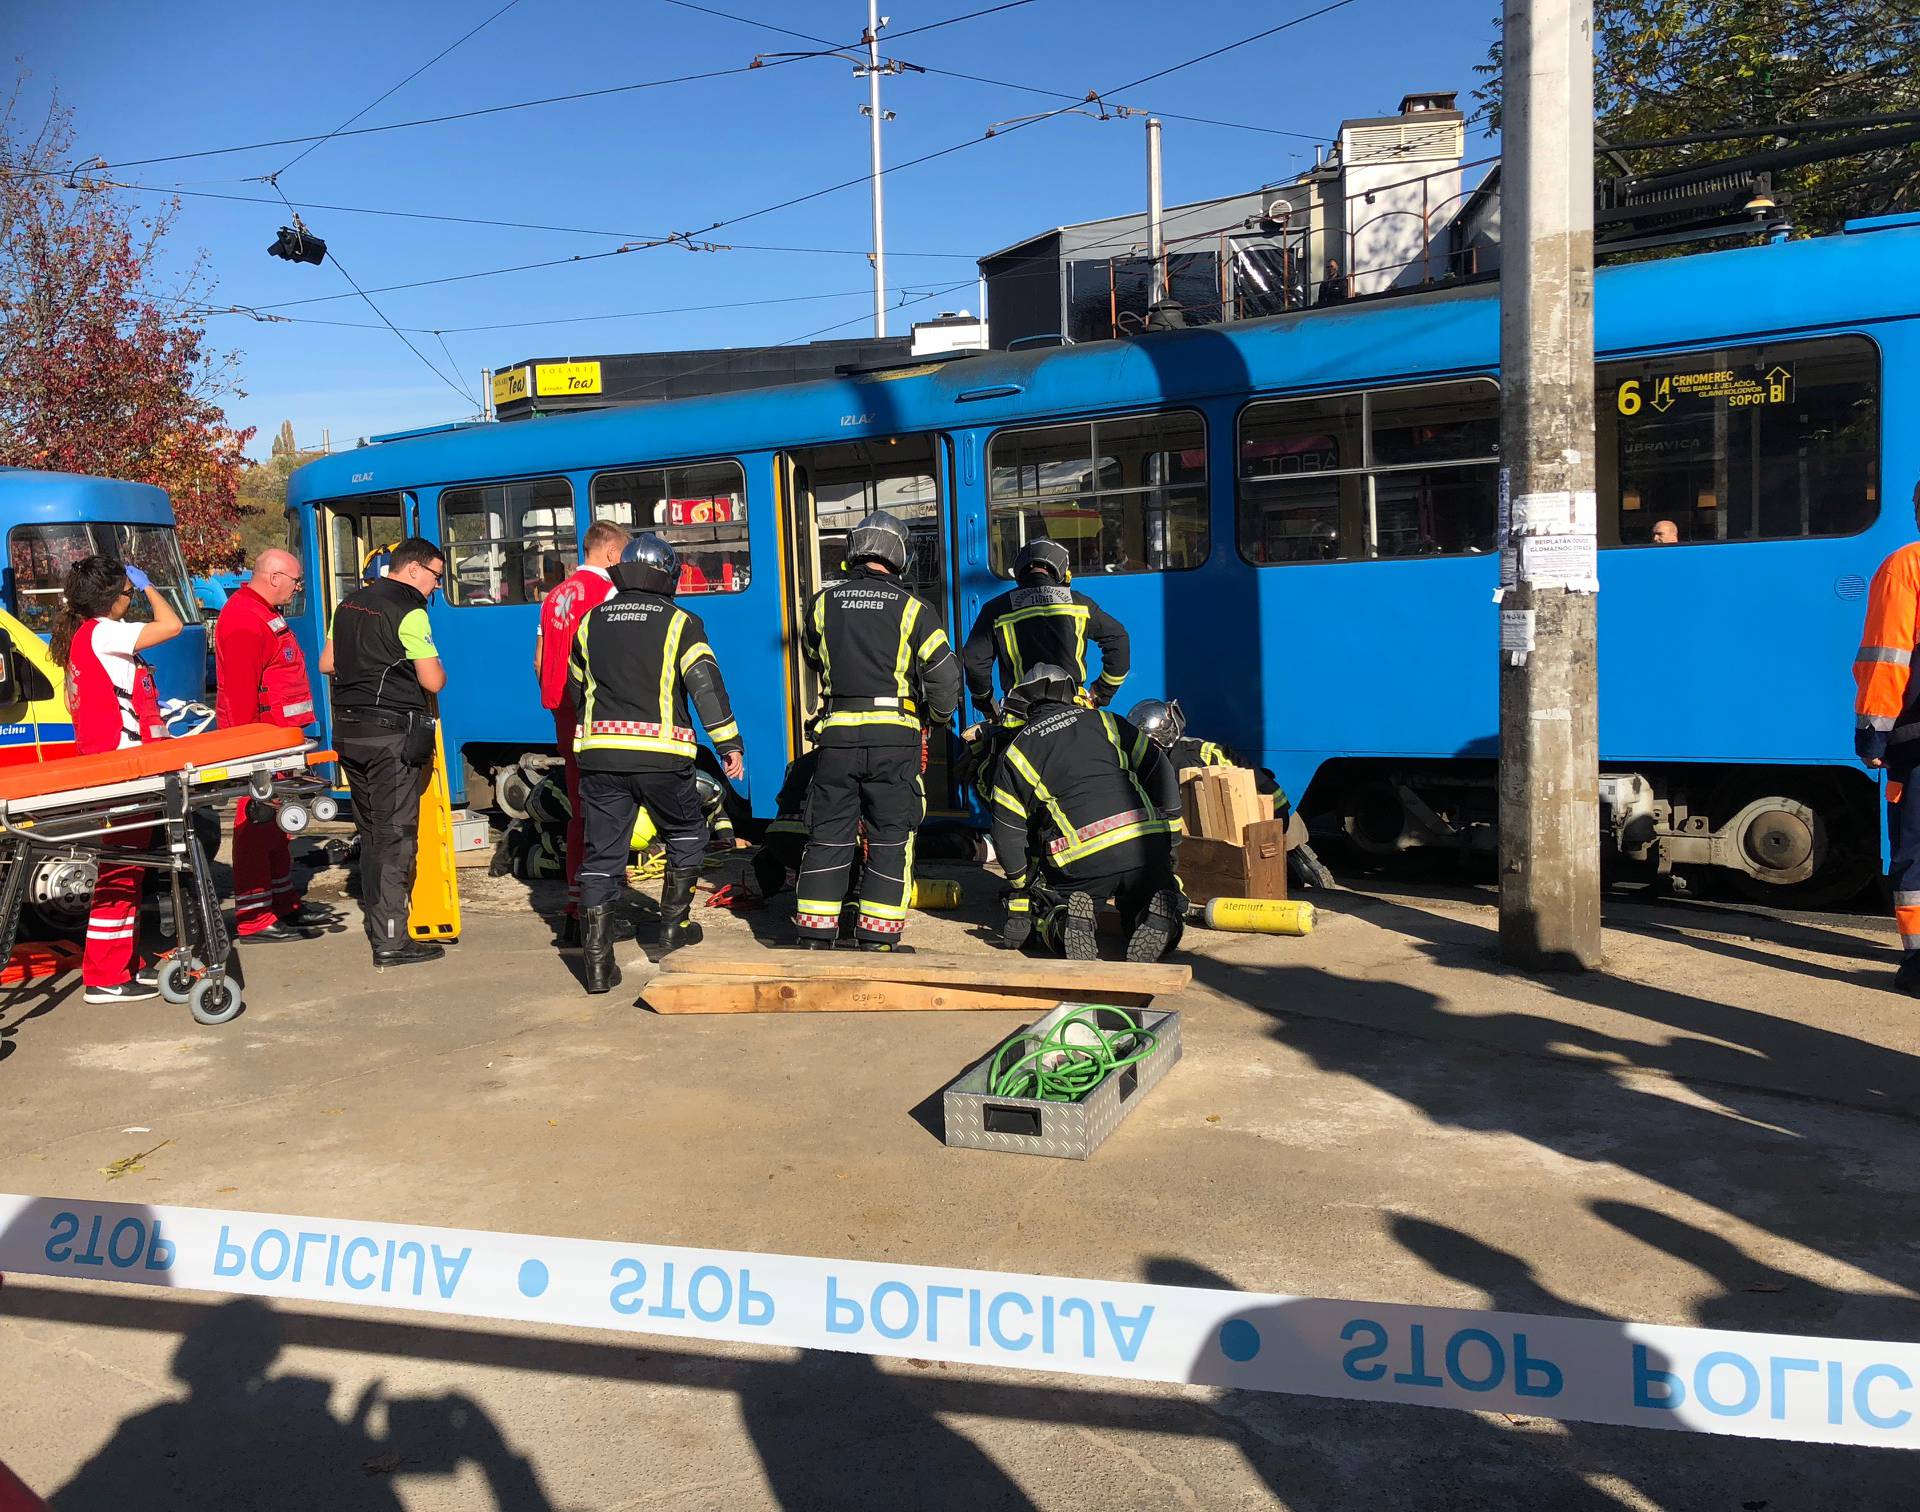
(113, 927)
(262, 873)
(565, 722)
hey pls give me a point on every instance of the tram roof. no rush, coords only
(28, 493)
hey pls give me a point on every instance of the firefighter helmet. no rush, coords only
(1160, 720)
(1044, 556)
(649, 564)
(1043, 682)
(880, 538)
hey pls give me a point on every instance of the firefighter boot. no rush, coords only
(677, 929)
(1159, 929)
(596, 931)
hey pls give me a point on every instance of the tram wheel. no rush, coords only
(1808, 848)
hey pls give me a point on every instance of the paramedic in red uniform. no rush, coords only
(560, 615)
(261, 678)
(111, 693)
(1886, 733)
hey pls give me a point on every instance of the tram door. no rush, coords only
(350, 529)
(827, 489)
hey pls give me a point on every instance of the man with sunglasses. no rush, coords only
(261, 678)
(384, 664)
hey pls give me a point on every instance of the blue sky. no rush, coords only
(146, 81)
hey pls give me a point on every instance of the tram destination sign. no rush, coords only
(1737, 388)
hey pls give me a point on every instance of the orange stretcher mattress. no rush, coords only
(36, 779)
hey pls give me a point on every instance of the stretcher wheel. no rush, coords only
(325, 809)
(178, 974)
(294, 817)
(215, 1000)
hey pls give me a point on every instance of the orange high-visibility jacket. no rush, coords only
(1887, 704)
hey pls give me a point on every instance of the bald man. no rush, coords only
(261, 678)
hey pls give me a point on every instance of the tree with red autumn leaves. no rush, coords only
(103, 374)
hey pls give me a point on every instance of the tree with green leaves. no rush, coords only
(1667, 68)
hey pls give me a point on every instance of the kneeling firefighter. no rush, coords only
(1166, 724)
(888, 676)
(635, 662)
(1085, 808)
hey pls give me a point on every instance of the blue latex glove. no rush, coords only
(141, 582)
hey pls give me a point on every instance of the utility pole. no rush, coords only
(1156, 227)
(1549, 705)
(874, 23)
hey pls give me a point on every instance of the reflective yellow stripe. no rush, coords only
(1019, 903)
(869, 717)
(1112, 731)
(1010, 645)
(884, 910)
(1081, 850)
(1008, 802)
(584, 658)
(668, 658)
(787, 827)
(1044, 611)
(725, 732)
(905, 654)
(693, 654)
(1140, 744)
(818, 906)
(1025, 768)
(820, 640)
(1105, 676)
(661, 743)
(932, 643)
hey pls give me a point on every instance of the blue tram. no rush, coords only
(1296, 518)
(53, 519)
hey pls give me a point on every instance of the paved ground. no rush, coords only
(1719, 1129)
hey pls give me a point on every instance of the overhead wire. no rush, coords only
(315, 146)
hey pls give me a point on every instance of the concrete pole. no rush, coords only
(1549, 748)
(879, 214)
(1156, 220)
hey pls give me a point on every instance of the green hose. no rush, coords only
(1075, 1069)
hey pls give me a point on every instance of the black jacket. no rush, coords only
(1025, 626)
(886, 667)
(1080, 793)
(635, 662)
(371, 669)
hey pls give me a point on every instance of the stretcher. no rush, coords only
(137, 807)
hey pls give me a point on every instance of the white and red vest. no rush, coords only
(100, 716)
(560, 615)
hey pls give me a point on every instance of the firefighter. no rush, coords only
(1097, 803)
(1164, 721)
(111, 694)
(261, 678)
(561, 612)
(1887, 732)
(1043, 620)
(888, 675)
(637, 662)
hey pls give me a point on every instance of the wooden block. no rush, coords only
(1212, 869)
(675, 992)
(1001, 970)
(1264, 859)
(1240, 802)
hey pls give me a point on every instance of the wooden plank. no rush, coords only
(1002, 969)
(691, 992)
(1264, 864)
(1240, 802)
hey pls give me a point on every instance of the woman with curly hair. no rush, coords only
(115, 704)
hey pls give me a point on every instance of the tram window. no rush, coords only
(701, 509)
(1768, 442)
(507, 543)
(1122, 495)
(1403, 472)
(40, 555)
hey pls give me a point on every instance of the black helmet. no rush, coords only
(1160, 720)
(880, 538)
(648, 565)
(1043, 682)
(1044, 556)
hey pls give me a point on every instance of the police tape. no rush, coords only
(1779, 1386)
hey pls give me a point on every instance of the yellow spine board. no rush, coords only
(435, 911)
